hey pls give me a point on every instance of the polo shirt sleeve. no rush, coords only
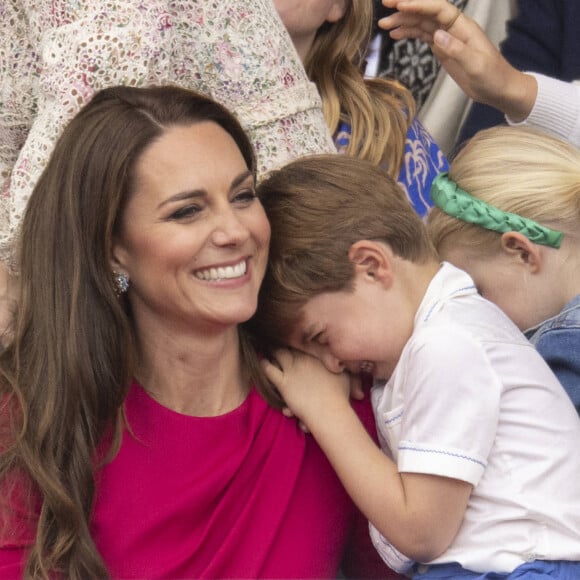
(451, 406)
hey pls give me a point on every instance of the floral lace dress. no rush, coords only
(55, 54)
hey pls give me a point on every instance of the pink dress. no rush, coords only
(242, 495)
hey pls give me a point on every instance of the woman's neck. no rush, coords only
(193, 375)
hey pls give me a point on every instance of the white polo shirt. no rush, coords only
(471, 399)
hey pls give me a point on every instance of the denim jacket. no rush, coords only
(558, 341)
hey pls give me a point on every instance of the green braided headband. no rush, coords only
(456, 202)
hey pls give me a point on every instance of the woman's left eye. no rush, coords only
(187, 211)
(246, 196)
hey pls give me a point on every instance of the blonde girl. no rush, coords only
(508, 213)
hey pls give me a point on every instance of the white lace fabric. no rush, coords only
(54, 55)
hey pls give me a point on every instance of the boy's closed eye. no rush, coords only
(318, 338)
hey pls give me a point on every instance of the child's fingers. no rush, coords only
(288, 413)
(273, 371)
(281, 358)
(356, 387)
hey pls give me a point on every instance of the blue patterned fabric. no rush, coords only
(422, 162)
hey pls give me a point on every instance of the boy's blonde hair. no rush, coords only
(318, 207)
(378, 111)
(516, 169)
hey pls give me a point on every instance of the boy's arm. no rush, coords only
(361, 559)
(419, 514)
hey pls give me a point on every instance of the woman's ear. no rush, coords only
(373, 260)
(519, 247)
(117, 260)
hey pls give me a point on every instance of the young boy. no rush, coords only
(482, 436)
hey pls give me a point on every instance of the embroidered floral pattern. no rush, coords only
(55, 54)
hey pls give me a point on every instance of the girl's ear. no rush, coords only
(336, 11)
(372, 260)
(519, 247)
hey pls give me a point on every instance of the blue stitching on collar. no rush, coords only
(472, 287)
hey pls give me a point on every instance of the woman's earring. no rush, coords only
(121, 283)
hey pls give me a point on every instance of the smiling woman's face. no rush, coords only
(193, 237)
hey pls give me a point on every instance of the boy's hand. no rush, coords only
(306, 385)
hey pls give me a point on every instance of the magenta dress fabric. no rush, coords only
(242, 495)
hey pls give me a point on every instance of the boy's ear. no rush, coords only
(373, 260)
(519, 247)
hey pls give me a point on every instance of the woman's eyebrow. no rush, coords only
(197, 193)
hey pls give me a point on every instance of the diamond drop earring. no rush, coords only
(121, 283)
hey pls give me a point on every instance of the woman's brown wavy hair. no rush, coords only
(378, 111)
(66, 372)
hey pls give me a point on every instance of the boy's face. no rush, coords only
(348, 330)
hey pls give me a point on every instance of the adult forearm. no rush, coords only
(516, 99)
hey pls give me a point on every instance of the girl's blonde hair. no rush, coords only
(378, 111)
(516, 169)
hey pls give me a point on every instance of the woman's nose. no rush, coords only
(229, 230)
